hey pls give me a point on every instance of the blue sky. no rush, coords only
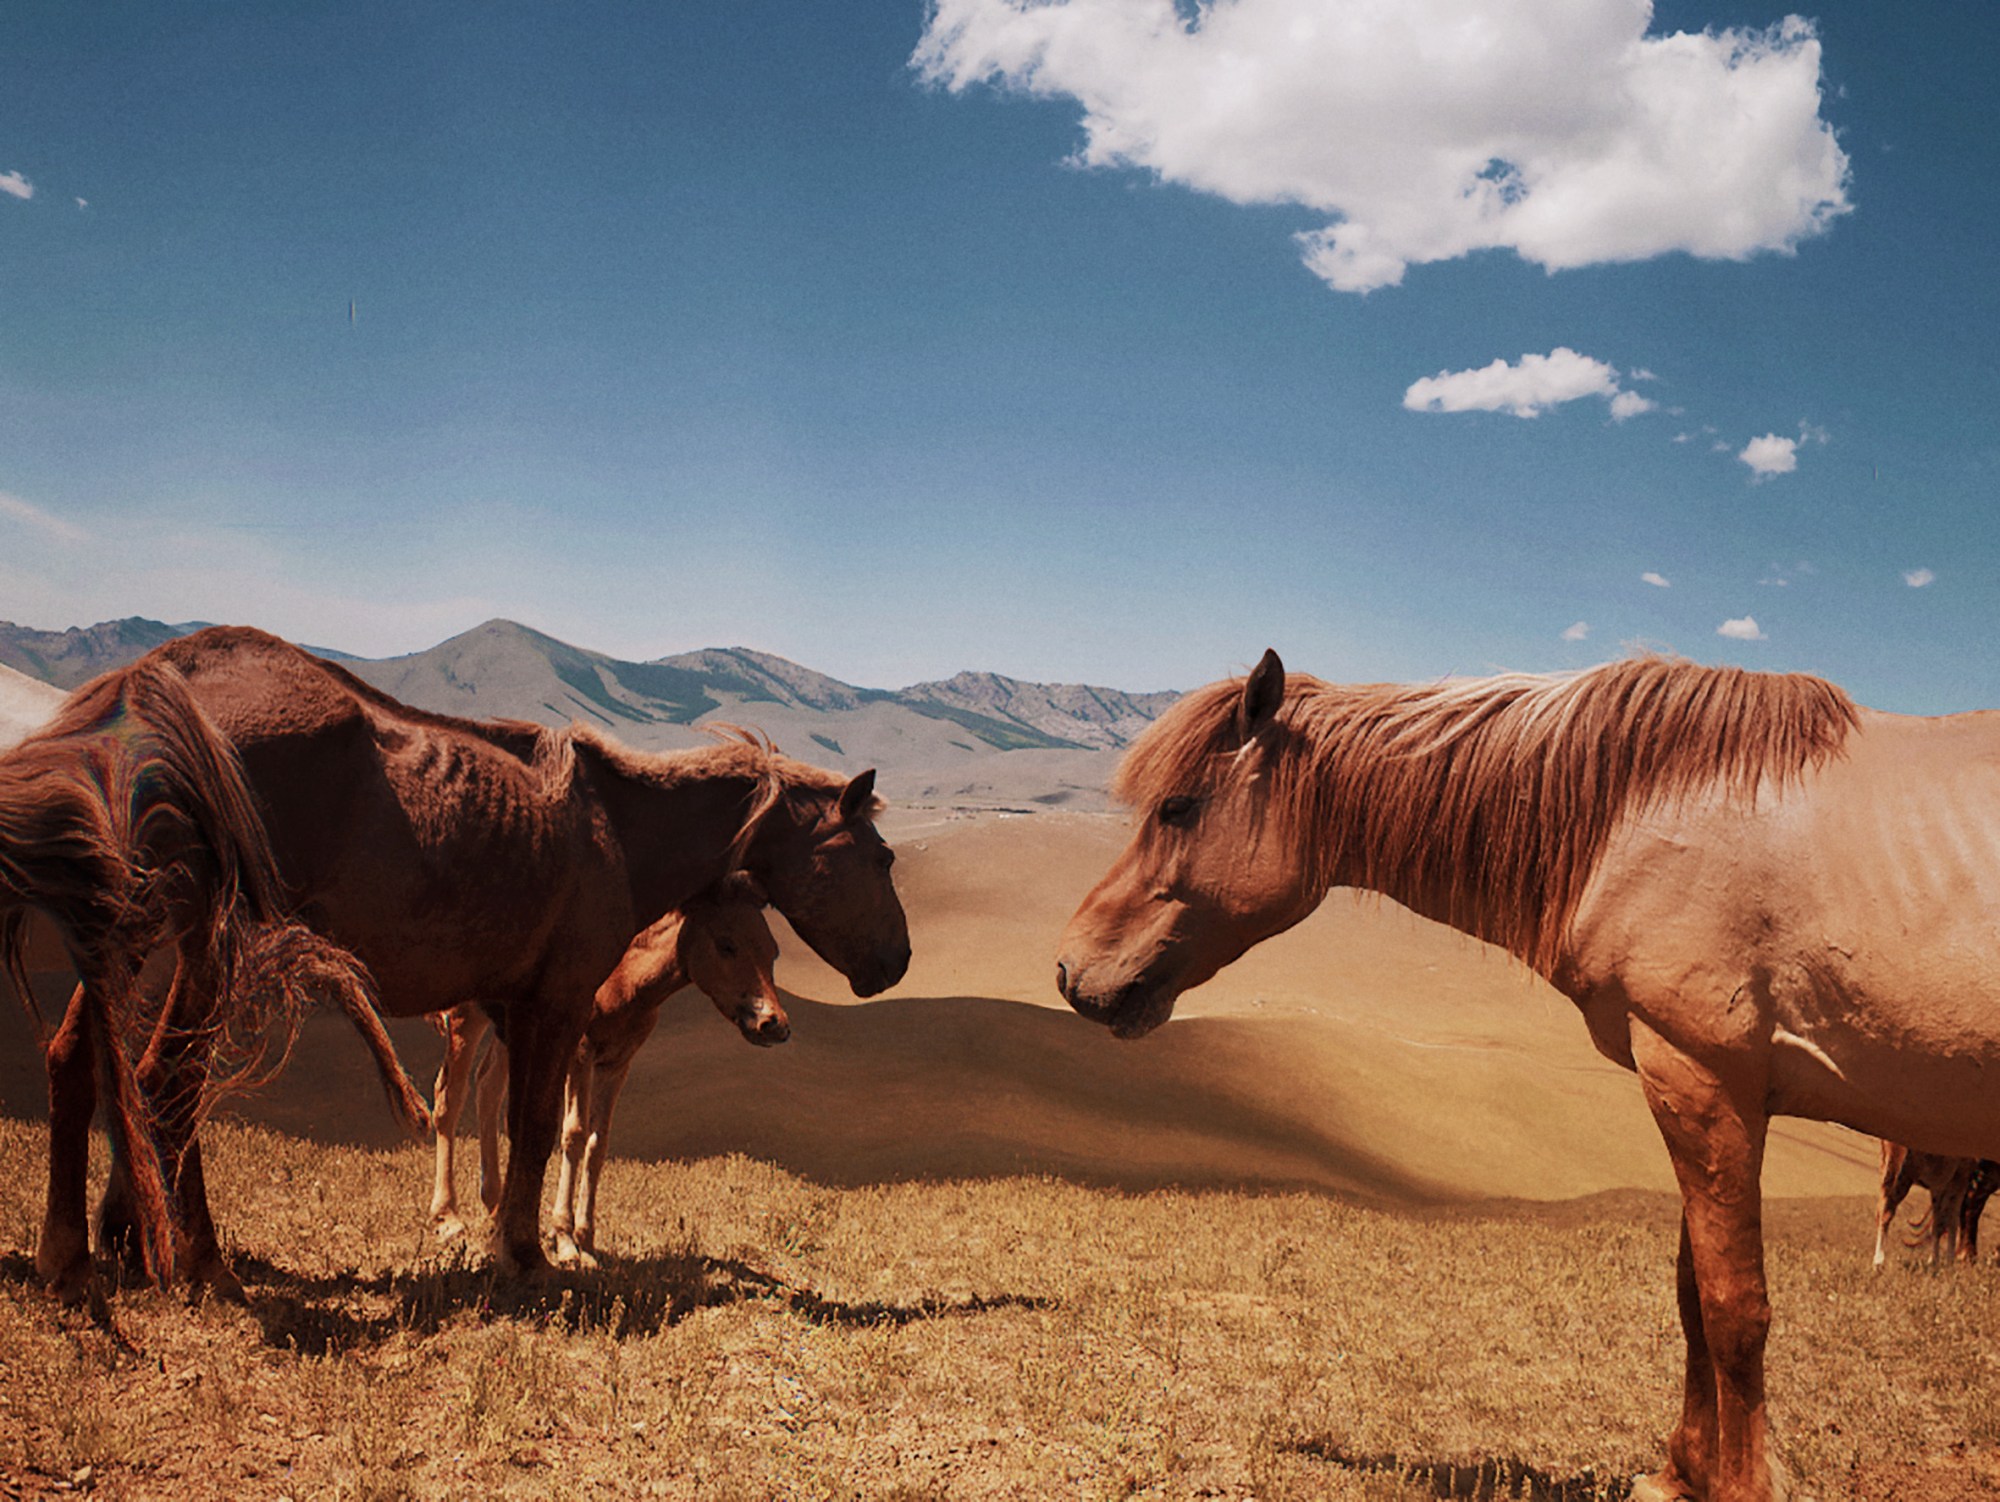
(900, 340)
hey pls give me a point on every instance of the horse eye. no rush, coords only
(725, 948)
(1176, 810)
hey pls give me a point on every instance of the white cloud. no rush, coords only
(1577, 632)
(1770, 455)
(1658, 581)
(1745, 629)
(1917, 578)
(83, 203)
(29, 515)
(1528, 389)
(19, 186)
(1428, 129)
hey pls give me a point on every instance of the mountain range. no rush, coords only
(977, 739)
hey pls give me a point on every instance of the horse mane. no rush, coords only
(1486, 802)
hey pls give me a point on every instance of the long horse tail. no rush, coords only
(288, 965)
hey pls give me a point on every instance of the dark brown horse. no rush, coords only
(126, 821)
(515, 864)
(1764, 899)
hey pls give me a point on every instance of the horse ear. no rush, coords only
(1263, 692)
(857, 799)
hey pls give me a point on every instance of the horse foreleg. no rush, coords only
(539, 1048)
(577, 1088)
(604, 1096)
(1715, 1131)
(62, 1256)
(492, 1083)
(464, 1026)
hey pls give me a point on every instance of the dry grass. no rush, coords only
(759, 1336)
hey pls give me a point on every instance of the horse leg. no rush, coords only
(464, 1027)
(604, 1096)
(539, 1047)
(1714, 1128)
(1896, 1181)
(492, 1101)
(62, 1256)
(576, 1111)
(174, 1074)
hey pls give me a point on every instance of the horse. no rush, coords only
(719, 943)
(1959, 1189)
(126, 821)
(514, 864)
(1763, 898)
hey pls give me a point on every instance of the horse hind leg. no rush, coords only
(1897, 1180)
(62, 1255)
(1715, 1133)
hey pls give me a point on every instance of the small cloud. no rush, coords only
(1810, 433)
(83, 203)
(19, 186)
(1526, 389)
(1683, 438)
(29, 515)
(1917, 578)
(1640, 373)
(1577, 632)
(1770, 455)
(1658, 581)
(1744, 629)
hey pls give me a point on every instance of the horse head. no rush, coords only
(727, 952)
(826, 867)
(1214, 867)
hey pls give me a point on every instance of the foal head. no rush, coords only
(818, 853)
(727, 952)
(1215, 866)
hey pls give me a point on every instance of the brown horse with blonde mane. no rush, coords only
(1764, 900)
(125, 820)
(719, 944)
(515, 864)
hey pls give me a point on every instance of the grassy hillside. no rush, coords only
(758, 1335)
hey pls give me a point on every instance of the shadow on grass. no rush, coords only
(329, 1315)
(1475, 1481)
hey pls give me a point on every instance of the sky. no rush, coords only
(1095, 340)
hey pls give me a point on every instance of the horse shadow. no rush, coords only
(1485, 1480)
(631, 1297)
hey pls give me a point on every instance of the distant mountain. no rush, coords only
(72, 657)
(976, 738)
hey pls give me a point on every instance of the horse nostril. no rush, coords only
(1062, 980)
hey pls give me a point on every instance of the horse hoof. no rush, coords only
(448, 1227)
(1661, 1486)
(570, 1254)
(214, 1280)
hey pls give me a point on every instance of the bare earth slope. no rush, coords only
(1367, 1051)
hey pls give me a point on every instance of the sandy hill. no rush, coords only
(24, 704)
(1366, 1051)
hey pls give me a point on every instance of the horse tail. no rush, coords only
(288, 964)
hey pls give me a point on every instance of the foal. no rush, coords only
(1959, 1189)
(718, 943)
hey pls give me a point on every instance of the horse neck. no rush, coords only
(677, 833)
(1492, 858)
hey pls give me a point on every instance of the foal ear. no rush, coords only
(857, 799)
(1263, 692)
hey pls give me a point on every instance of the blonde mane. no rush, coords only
(1486, 802)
